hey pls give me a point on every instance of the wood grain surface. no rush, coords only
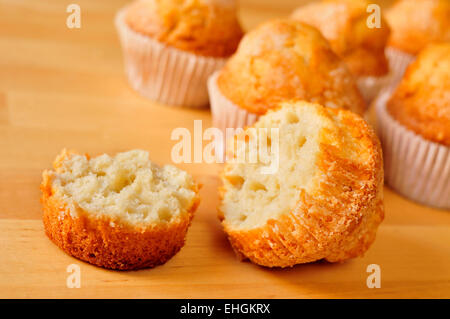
(63, 87)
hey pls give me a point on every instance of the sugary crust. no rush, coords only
(421, 102)
(203, 27)
(344, 24)
(109, 242)
(337, 222)
(415, 24)
(286, 59)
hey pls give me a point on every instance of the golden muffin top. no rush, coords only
(416, 23)
(421, 102)
(286, 59)
(344, 24)
(203, 27)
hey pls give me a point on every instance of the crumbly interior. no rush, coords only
(127, 186)
(251, 197)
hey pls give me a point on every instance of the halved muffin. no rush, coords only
(325, 201)
(171, 47)
(122, 212)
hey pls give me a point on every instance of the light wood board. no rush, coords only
(66, 88)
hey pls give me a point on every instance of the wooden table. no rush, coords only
(66, 88)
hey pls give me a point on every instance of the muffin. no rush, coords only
(414, 25)
(344, 24)
(414, 126)
(172, 46)
(122, 212)
(325, 201)
(281, 59)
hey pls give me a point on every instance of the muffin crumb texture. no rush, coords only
(324, 201)
(121, 212)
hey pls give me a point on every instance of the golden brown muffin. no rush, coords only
(421, 102)
(203, 27)
(121, 212)
(325, 201)
(416, 23)
(344, 24)
(285, 59)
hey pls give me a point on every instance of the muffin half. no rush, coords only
(325, 201)
(122, 212)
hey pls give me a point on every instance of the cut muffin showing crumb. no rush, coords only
(325, 201)
(122, 212)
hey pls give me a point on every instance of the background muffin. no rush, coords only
(287, 59)
(279, 60)
(414, 127)
(121, 212)
(203, 27)
(344, 24)
(171, 47)
(421, 102)
(416, 23)
(325, 201)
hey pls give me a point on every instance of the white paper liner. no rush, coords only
(162, 73)
(398, 62)
(226, 114)
(370, 86)
(415, 167)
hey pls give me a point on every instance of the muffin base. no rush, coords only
(109, 243)
(162, 73)
(288, 241)
(415, 167)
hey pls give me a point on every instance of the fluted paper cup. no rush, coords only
(162, 73)
(226, 114)
(370, 86)
(398, 63)
(417, 168)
